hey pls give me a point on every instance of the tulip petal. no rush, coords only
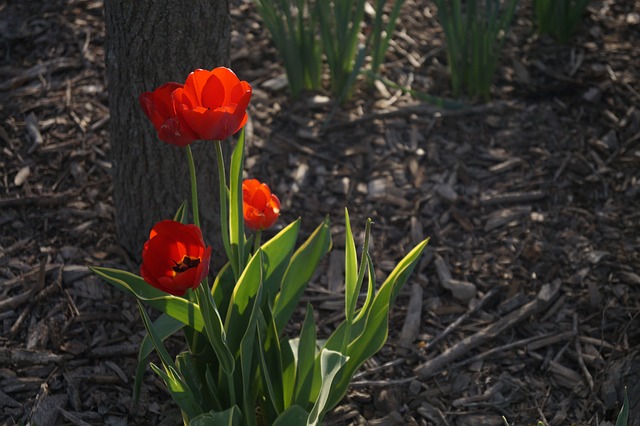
(214, 93)
(194, 85)
(163, 257)
(241, 95)
(211, 124)
(229, 81)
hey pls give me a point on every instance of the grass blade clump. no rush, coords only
(382, 32)
(558, 18)
(293, 24)
(475, 32)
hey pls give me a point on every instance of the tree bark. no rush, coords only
(149, 43)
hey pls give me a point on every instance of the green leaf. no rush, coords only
(350, 270)
(623, 417)
(294, 415)
(277, 253)
(180, 392)
(224, 201)
(271, 362)
(375, 329)
(165, 326)
(214, 329)
(306, 359)
(236, 216)
(155, 338)
(288, 371)
(330, 363)
(229, 417)
(243, 300)
(222, 289)
(248, 360)
(371, 291)
(301, 269)
(181, 309)
(186, 366)
(181, 213)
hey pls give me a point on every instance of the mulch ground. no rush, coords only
(525, 305)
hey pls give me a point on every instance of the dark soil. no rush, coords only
(525, 305)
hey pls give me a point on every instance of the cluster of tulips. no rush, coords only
(211, 105)
(240, 367)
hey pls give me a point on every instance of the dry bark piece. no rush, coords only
(544, 298)
(45, 411)
(412, 320)
(461, 290)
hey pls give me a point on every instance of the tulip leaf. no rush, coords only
(271, 361)
(330, 364)
(375, 329)
(248, 360)
(165, 326)
(177, 307)
(166, 359)
(350, 270)
(301, 268)
(181, 213)
(222, 289)
(306, 353)
(288, 371)
(245, 296)
(623, 416)
(277, 253)
(228, 417)
(236, 216)
(371, 291)
(294, 415)
(186, 366)
(215, 330)
(179, 391)
(224, 201)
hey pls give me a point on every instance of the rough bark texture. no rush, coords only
(150, 43)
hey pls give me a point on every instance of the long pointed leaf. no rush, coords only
(165, 326)
(181, 309)
(330, 363)
(236, 217)
(306, 358)
(301, 269)
(375, 329)
(245, 296)
(228, 417)
(214, 328)
(294, 415)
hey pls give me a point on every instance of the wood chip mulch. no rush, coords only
(525, 305)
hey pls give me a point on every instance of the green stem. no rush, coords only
(256, 242)
(194, 187)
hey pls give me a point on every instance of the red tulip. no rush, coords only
(261, 207)
(158, 107)
(175, 257)
(213, 103)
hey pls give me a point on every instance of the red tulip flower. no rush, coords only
(175, 257)
(213, 103)
(158, 107)
(261, 207)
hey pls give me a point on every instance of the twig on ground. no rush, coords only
(545, 297)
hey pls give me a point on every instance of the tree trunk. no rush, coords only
(149, 43)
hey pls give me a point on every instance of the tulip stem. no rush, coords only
(194, 187)
(256, 242)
